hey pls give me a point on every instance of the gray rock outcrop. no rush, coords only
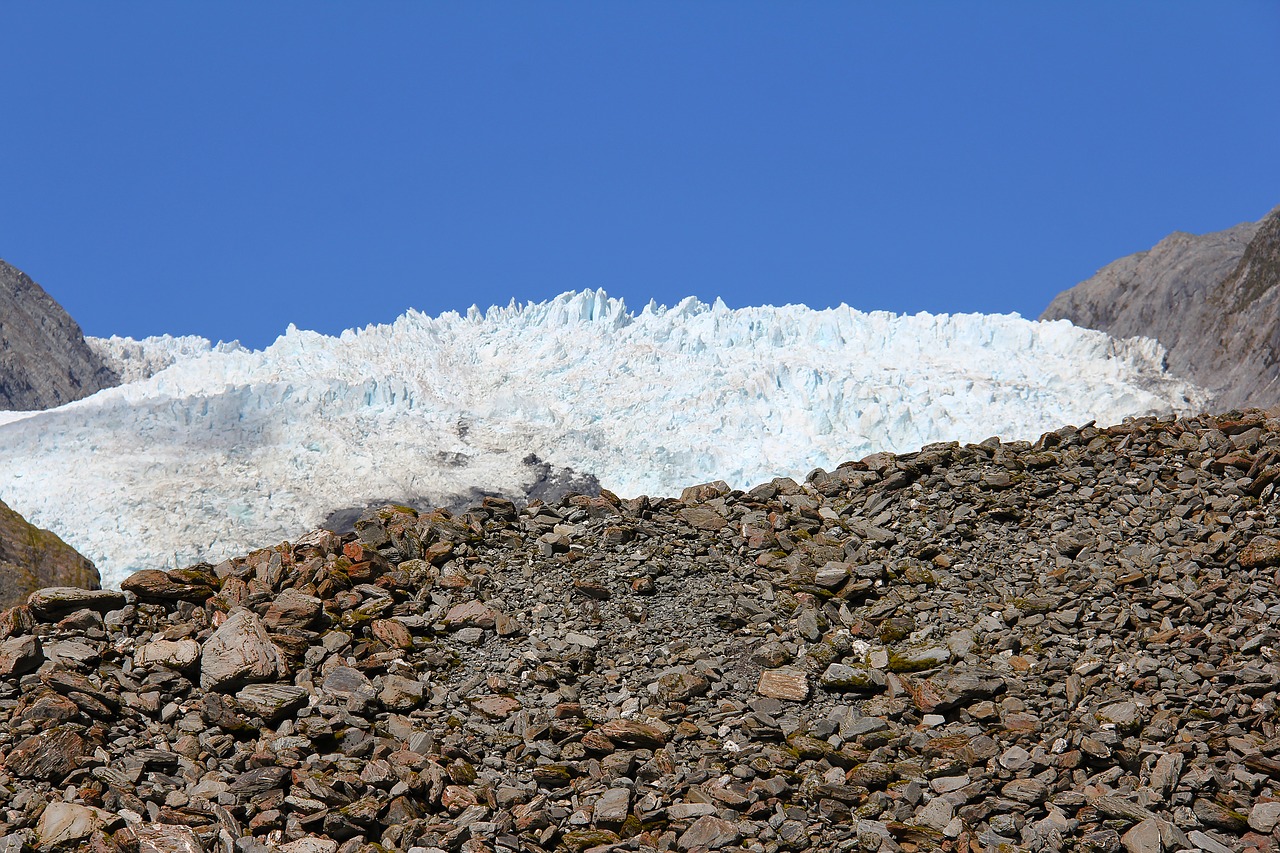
(44, 359)
(1212, 300)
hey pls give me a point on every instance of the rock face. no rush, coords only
(31, 558)
(1212, 300)
(44, 359)
(1062, 645)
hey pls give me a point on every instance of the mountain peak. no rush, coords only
(44, 359)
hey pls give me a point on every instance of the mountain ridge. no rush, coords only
(1212, 300)
(44, 358)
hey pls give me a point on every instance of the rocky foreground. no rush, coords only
(1066, 645)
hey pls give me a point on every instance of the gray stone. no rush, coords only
(937, 813)
(1206, 842)
(840, 677)
(612, 807)
(272, 701)
(239, 652)
(1143, 837)
(46, 360)
(1263, 817)
(709, 833)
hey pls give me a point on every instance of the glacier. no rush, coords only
(209, 450)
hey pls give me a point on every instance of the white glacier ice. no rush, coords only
(211, 450)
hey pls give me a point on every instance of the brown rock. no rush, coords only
(635, 734)
(703, 518)
(155, 585)
(709, 833)
(1262, 552)
(19, 655)
(789, 684)
(496, 707)
(48, 756)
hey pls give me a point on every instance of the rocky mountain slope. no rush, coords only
(31, 558)
(44, 359)
(1069, 644)
(1212, 300)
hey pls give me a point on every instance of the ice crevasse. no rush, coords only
(209, 450)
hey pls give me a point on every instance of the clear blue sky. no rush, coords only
(225, 169)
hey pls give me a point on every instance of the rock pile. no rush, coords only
(1063, 645)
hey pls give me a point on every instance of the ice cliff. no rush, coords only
(209, 450)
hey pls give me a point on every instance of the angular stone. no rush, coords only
(1206, 843)
(1167, 772)
(238, 653)
(293, 609)
(155, 585)
(682, 686)
(496, 707)
(635, 734)
(709, 833)
(67, 824)
(703, 518)
(841, 678)
(19, 655)
(1113, 806)
(1262, 552)
(1026, 790)
(393, 633)
(50, 756)
(612, 807)
(167, 838)
(310, 844)
(684, 811)
(1263, 817)
(57, 601)
(344, 681)
(401, 694)
(258, 780)
(174, 654)
(1143, 837)
(272, 701)
(1125, 716)
(1217, 815)
(937, 813)
(470, 614)
(917, 658)
(789, 684)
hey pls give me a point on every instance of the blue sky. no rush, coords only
(226, 169)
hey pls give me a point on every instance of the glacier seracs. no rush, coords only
(211, 450)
